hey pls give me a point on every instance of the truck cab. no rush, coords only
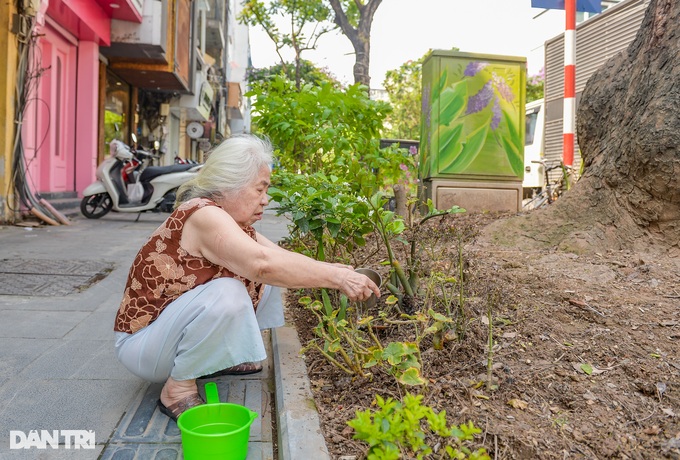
(533, 147)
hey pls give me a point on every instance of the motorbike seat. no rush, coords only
(154, 171)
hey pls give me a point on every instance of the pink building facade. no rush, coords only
(60, 129)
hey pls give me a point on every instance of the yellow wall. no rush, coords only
(8, 59)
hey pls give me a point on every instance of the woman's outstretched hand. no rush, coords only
(357, 287)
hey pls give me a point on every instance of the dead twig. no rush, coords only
(581, 304)
(638, 421)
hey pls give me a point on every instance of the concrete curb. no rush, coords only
(299, 430)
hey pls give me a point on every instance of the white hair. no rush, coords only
(229, 168)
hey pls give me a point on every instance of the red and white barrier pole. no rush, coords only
(569, 113)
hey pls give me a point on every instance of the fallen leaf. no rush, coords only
(509, 335)
(589, 396)
(661, 388)
(578, 303)
(318, 384)
(518, 404)
(589, 369)
(668, 411)
(652, 430)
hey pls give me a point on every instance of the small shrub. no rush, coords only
(409, 428)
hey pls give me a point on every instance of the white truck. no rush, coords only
(533, 147)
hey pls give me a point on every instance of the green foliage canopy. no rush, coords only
(309, 73)
(325, 129)
(403, 85)
(535, 86)
(308, 21)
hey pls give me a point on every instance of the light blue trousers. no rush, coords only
(207, 329)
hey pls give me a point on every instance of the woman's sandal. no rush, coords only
(175, 410)
(239, 369)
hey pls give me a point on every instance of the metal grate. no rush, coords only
(49, 277)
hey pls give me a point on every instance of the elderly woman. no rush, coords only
(201, 288)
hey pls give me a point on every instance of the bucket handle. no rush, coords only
(211, 395)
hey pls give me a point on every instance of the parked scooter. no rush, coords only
(115, 186)
(140, 160)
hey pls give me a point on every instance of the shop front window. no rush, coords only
(116, 109)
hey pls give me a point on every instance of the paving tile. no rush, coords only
(64, 405)
(23, 323)
(18, 354)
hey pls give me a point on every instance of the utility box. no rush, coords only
(472, 131)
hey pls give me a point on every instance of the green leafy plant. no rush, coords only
(324, 207)
(404, 284)
(389, 225)
(343, 344)
(323, 129)
(353, 347)
(447, 286)
(404, 361)
(409, 429)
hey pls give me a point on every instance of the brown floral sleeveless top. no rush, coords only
(163, 270)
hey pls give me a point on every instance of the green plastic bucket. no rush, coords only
(215, 430)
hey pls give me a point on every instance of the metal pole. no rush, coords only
(569, 113)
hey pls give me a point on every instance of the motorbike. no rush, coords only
(134, 166)
(127, 183)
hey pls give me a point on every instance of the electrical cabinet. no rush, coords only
(472, 130)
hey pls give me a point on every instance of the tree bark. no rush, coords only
(401, 201)
(628, 128)
(359, 36)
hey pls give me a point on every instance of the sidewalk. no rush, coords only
(58, 371)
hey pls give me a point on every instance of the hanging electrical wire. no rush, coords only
(28, 76)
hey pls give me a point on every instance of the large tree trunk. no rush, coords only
(629, 135)
(359, 36)
(629, 124)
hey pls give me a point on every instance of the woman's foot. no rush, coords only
(175, 410)
(178, 396)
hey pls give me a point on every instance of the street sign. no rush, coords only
(589, 6)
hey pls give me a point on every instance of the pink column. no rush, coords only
(87, 110)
